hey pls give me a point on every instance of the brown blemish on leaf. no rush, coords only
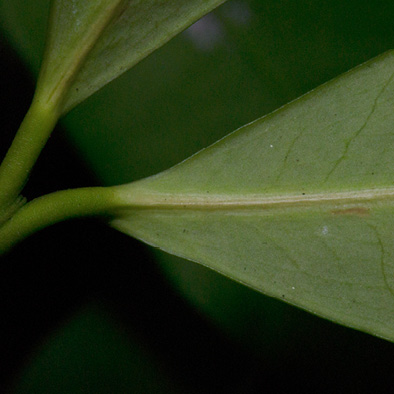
(360, 211)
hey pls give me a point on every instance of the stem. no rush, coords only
(55, 207)
(31, 137)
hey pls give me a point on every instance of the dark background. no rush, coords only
(85, 309)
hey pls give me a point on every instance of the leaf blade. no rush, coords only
(95, 42)
(73, 29)
(260, 207)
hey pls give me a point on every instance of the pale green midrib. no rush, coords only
(112, 12)
(151, 200)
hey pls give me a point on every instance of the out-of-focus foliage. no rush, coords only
(96, 357)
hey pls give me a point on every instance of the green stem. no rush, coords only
(55, 207)
(23, 153)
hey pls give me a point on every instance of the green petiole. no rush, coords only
(22, 155)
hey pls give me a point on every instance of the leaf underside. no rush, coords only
(298, 205)
(91, 43)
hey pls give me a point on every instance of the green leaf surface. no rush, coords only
(92, 42)
(297, 204)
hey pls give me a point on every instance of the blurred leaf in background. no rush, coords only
(90, 354)
(235, 65)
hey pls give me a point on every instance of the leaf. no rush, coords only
(92, 42)
(297, 204)
(90, 353)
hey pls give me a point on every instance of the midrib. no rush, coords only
(153, 200)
